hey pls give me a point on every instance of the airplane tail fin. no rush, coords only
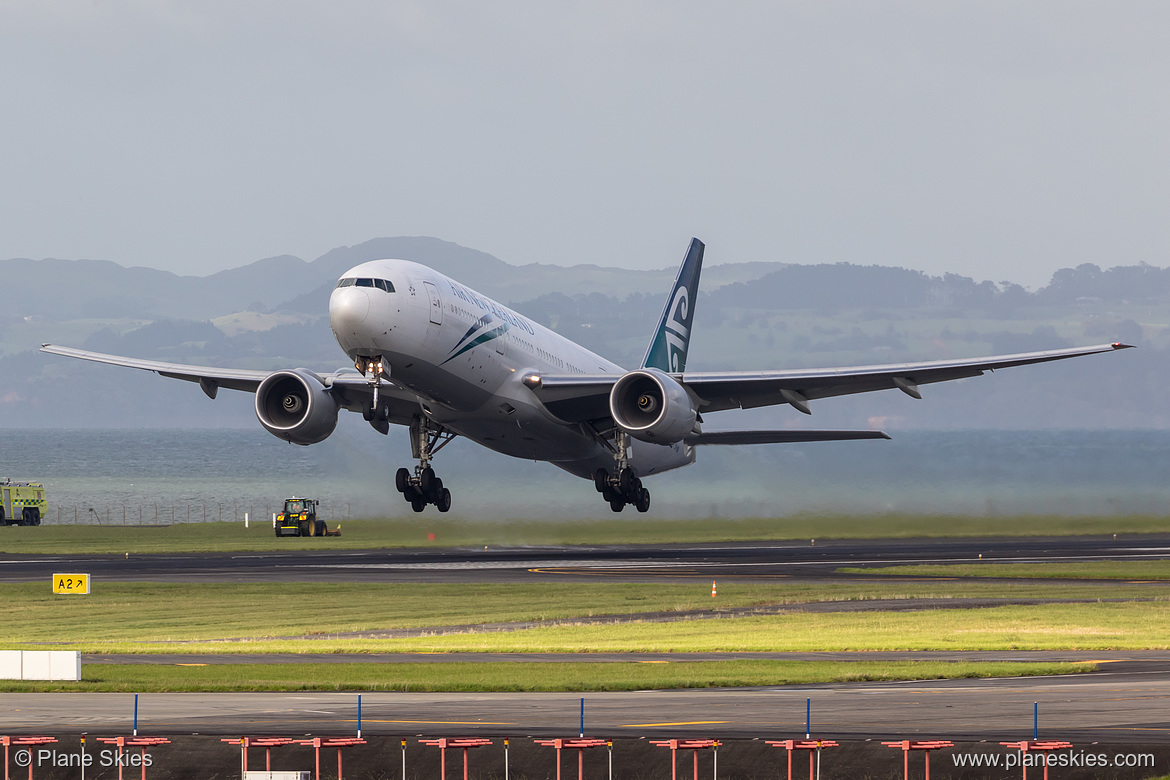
(668, 349)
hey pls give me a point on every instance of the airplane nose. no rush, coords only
(348, 307)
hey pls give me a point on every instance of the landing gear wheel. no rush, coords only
(436, 490)
(444, 501)
(626, 480)
(617, 504)
(417, 504)
(643, 502)
(426, 480)
(601, 480)
(402, 480)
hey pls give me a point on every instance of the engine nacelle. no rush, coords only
(650, 406)
(296, 406)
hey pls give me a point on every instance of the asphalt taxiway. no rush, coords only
(809, 559)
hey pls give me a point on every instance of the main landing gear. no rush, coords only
(621, 489)
(622, 486)
(422, 487)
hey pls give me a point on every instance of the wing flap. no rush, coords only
(779, 437)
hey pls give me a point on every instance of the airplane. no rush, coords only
(444, 361)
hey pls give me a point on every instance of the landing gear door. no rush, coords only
(436, 303)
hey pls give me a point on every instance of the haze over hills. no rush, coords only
(94, 289)
(272, 313)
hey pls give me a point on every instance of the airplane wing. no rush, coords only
(206, 376)
(351, 389)
(581, 398)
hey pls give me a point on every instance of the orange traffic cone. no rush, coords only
(712, 589)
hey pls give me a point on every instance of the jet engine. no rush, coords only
(296, 406)
(650, 406)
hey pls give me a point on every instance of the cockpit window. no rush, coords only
(381, 284)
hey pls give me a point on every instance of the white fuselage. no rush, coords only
(465, 356)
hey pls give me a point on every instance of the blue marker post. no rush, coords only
(136, 714)
(808, 718)
(359, 716)
(1035, 721)
(582, 716)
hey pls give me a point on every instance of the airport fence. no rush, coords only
(156, 513)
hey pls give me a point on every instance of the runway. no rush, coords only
(804, 559)
(1114, 707)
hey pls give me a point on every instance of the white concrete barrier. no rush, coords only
(11, 665)
(40, 665)
(64, 665)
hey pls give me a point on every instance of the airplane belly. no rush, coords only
(522, 432)
(647, 459)
(453, 386)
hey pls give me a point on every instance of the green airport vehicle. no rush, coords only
(22, 503)
(299, 518)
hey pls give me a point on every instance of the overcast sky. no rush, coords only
(1000, 140)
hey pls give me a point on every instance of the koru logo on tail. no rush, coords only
(676, 330)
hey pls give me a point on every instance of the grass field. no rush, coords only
(519, 676)
(367, 534)
(145, 617)
(164, 612)
(1125, 626)
(1086, 570)
(253, 618)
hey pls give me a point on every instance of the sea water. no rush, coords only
(185, 475)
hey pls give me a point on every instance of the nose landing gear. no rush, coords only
(375, 370)
(422, 487)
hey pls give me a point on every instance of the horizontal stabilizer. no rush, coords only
(779, 437)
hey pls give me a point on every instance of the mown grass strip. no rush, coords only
(1096, 626)
(520, 676)
(1087, 570)
(430, 531)
(134, 615)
